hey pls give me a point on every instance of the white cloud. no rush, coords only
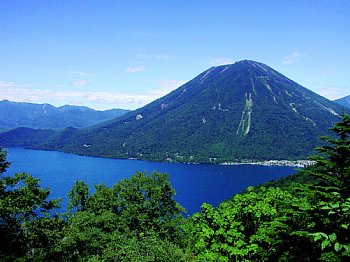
(218, 61)
(79, 83)
(95, 99)
(134, 69)
(333, 92)
(291, 58)
(79, 73)
(7, 84)
(20, 94)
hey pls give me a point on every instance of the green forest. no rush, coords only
(304, 217)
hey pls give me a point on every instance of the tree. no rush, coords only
(331, 212)
(78, 196)
(252, 226)
(26, 225)
(3, 163)
(332, 167)
(147, 202)
(110, 223)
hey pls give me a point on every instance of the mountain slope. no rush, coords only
(18, 114)
(344, 101)
(245, 110)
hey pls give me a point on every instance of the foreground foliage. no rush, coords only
(121, 221)
(305, 217)
(251, 226)
(26, 222)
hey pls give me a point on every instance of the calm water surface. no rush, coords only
(194, 184)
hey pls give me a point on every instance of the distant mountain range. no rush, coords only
(46, 116)
(344, 101)
(228, 113)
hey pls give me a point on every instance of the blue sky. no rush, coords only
(124, 54)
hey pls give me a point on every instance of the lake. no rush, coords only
(194, 184)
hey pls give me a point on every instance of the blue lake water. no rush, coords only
(194, 184)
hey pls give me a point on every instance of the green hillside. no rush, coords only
(46, 116)
(228, 113)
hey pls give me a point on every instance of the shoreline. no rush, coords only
(291, 163)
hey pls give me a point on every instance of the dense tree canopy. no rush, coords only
(117, 221)
(27, 225)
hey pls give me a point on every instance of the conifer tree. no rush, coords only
(332, 167)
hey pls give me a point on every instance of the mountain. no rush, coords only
(344, 101)
(234, 112)
(15, 114)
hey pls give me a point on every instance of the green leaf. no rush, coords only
(347, 247)
(324, 244)
(332, 237)
(337, 246)
(316, 236)
(336, 205)
(346, 226)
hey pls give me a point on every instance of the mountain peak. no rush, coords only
(256, 65)
(244, 110)
(246, 62)
(244, 69)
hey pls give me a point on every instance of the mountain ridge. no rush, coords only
(343, 101)
(228, 113)
(23, 114)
